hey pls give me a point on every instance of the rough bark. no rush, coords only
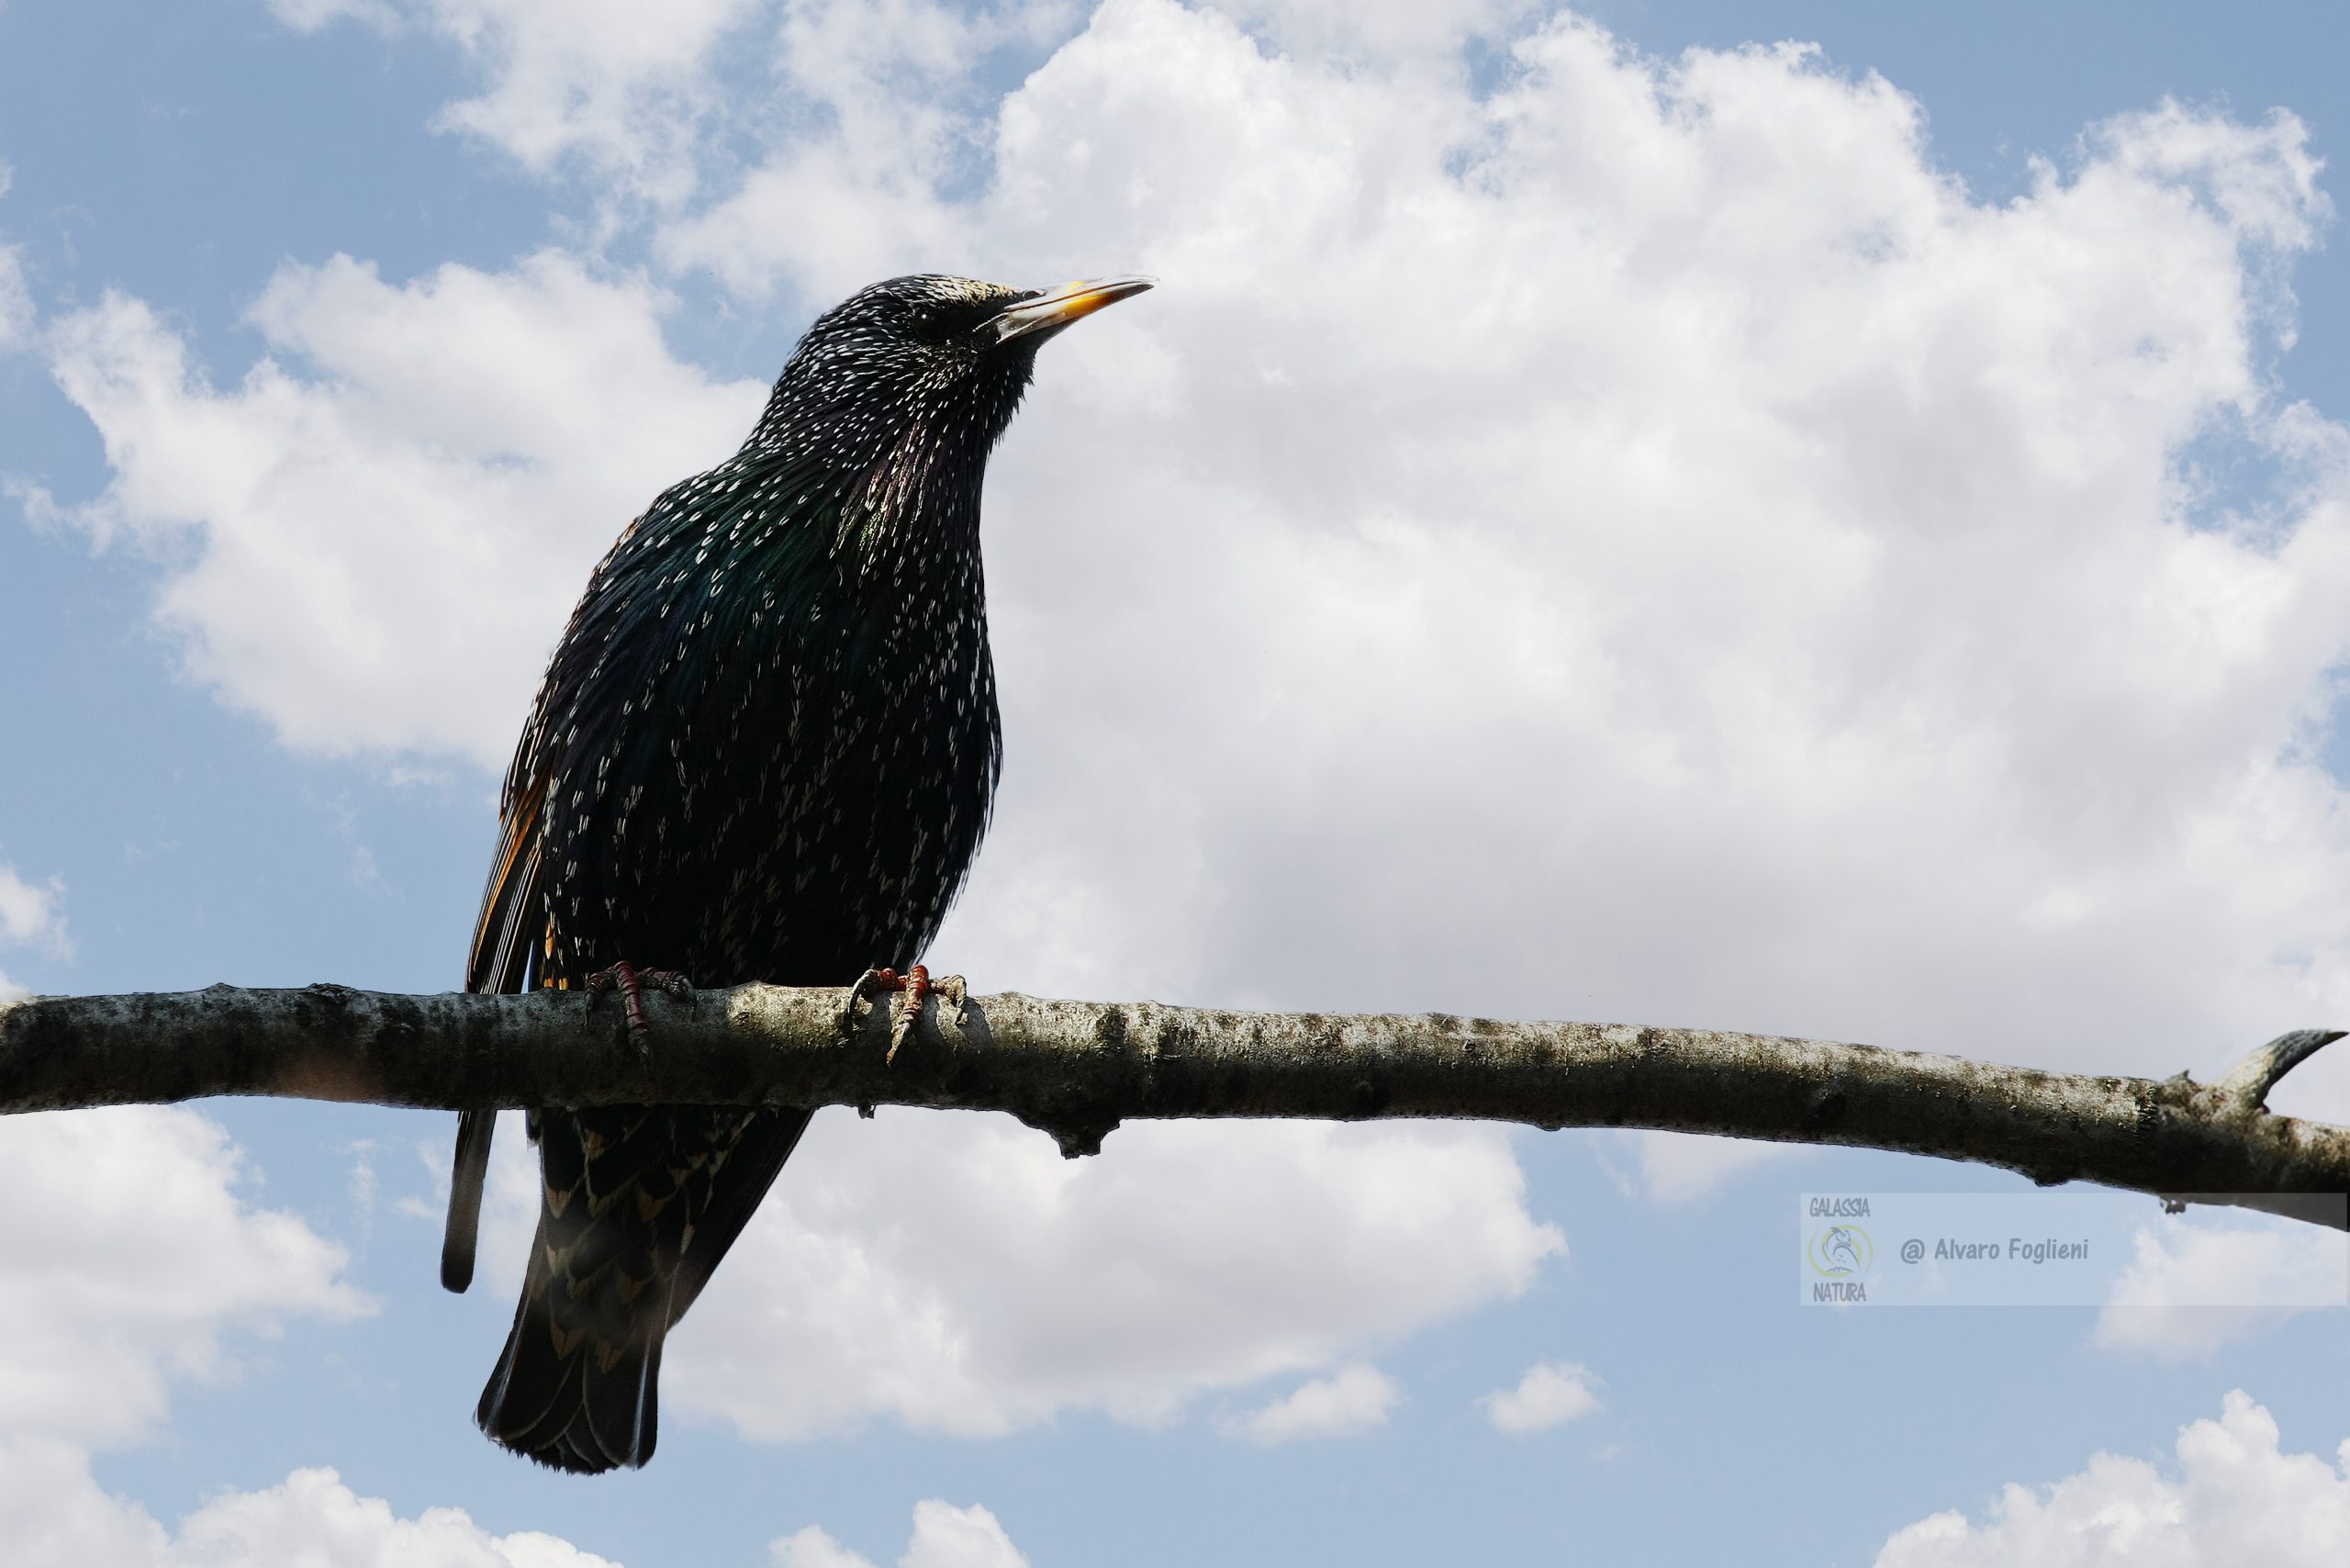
(1077, 1069)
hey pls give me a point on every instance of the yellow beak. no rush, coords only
(1057, 308)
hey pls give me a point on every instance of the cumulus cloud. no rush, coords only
(623, 90)
(128, 1258)
(1655, 478)
(2192, 1288)
(1386, 32)
(1647, 545)
(309, 15)
(54, 1515)
(15, 299)
(624, 84)
(1637, 540)
(1355, 1398)
(955, 1274)
(883, 111)
(1679, 1168)
(31, 915)
(2233, 1497)
(944, 1537)
(130, 1261)
(1550, 1394)
(378, 530)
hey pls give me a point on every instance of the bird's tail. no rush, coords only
(467, 1172)
(575, 1387)
(639, 1204)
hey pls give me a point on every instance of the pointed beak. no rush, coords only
(1040, 318)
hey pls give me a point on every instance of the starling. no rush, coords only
(764, 750)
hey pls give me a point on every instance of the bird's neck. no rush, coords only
(924, 491)
(901, 460)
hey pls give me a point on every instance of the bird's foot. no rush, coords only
(912, 988)
(631, 981)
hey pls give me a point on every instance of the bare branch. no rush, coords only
(1077, 1069)
(2257, 1073)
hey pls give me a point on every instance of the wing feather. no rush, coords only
(505, 934)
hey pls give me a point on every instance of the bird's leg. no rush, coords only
(913, 987)
(630, 983)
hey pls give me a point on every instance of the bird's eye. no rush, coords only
(936, 322)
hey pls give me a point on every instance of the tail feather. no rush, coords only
(572, 1400)
(467, 1172)
(639, 1203)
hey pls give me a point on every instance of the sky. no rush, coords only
(1811, 518)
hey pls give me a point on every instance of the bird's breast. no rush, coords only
(807, 781)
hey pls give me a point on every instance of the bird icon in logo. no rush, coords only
(1841, 1251)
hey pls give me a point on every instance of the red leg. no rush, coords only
(631, 984)
(915, 986)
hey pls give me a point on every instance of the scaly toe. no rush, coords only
(952, 987)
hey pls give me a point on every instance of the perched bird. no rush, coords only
(764, 750)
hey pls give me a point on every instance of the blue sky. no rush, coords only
(1848, 543)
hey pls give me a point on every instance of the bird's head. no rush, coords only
(928, 362)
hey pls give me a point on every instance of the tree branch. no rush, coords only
(1077, 1069)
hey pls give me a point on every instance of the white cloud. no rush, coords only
(625, 86)
(129, 1261)
(1650, 547)
(627, 92)
(31, 916)
(883, 111)
(309, 15)
(31, 913)
(812, 1548)
(1389, 32)
(54, 1515)
(952, 1272)
(1679, 1168)
(1355, 1398)
(15, 299)
(1550, 1394)
(944, 1537)
(378, 554)
(1643, 544)
(949, 1536)
(2195, 1285)
(127, 1258)
(2233, 1498)
(862, 104)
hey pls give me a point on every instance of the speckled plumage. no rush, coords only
(764, 751)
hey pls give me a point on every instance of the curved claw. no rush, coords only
(912, 988)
